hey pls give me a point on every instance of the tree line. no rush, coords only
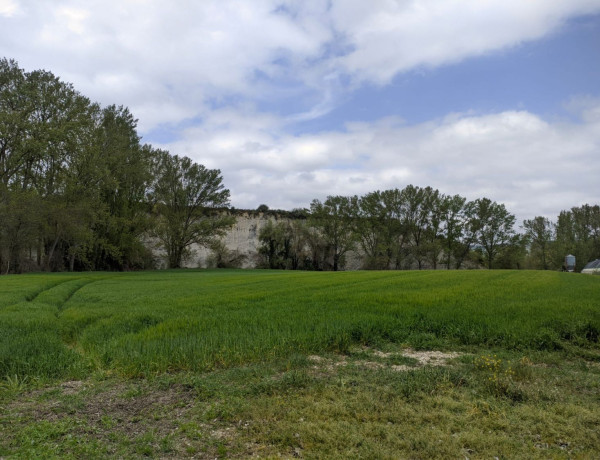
(79, 191)
(416, 228)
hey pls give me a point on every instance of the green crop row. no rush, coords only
(144, 323)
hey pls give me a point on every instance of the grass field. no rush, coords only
(316, 365)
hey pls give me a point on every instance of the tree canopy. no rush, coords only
(76, 183)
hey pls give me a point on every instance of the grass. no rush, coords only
(242, 363)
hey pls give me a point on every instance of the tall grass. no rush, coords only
(153, 322)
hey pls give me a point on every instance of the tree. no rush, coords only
(334, 219)
(453, 217)
(273, 245)
(297, 256)
(512, 254)
(539, 232)
(495, 231)
(578, 233)
(45, 128)
(470, 226)
(223, 257)
(396, 231)
(419, 206)
(123, 185)
(371, 228)
(317, 249)
(14, 119)
(433, 244)
(188, 197)
(20, 223)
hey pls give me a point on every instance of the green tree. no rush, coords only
(188, 197)
(284, 245)
(317, 250)
(14, 122)
(495, 228)
(433, 244)
(469, 226)
(20, 223)
(125, 179)
(540, 232)
(396, 231)
(452, 209)
(334, 219)
(45, 126)
(419, 208)
(273, 245)
(223, 257)
(372, 225)
(298, 257)
(578, 233)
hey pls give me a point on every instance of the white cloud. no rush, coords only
(534, 166)
(8, 8)
(148, 54)
(145, 53)
(389, 37)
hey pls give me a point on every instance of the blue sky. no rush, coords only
(539, 76)
(295, 100)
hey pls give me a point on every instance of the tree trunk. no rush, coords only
(50, 254)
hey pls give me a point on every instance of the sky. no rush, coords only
(298, 100)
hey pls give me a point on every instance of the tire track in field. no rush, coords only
(77, 288)
(34, 295)
(72, 292)
(60, 293)
(74, 344)
(78, 285)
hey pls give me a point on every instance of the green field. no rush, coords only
(239, 357)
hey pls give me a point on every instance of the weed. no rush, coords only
(499, 376)
(14, 383)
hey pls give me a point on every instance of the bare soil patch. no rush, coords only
(115, 409)
(423, 358)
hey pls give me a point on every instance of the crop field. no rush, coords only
(237, 364)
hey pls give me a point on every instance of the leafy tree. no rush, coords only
(334, 219)
(371, 227)
(272, 238)
(396, 232)
(125, 179)
(470, 226)
(283, 245)
(578, 233)
(434, 231)
(187, 197)
(540, 232)
(45, 126)
(223, 257)
(512, 254)
(20, 222)
(419, 206)
(14, 120)
(495, 228)
(298, 257)
(586, 219)
(316, 248)
(452, 209)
